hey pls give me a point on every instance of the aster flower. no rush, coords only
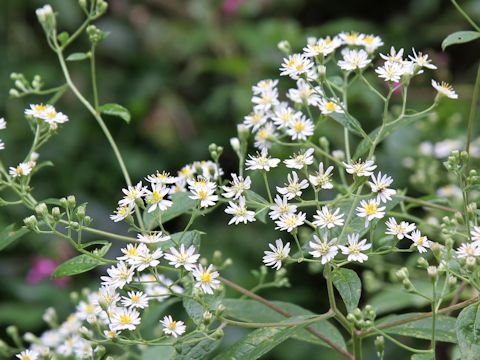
(171, 327)
(281, 208)
(261, 162)
(124, 319)
(28, 355)
(52, 117)
(3, 124)
(475, 235)
(145, 258)
(319, 47)
(328, 106)
(391, 71)
(394, 56)
(161, 178)
(183, 257)
(323, 249)
(360, 168)
(118, 276)
(354, 248)
(156, 198)
(468, 250)
(36, 110)
(255, 119)
(305, 93)
(294, 186)
(445, 89)
(279, 253)
(22, 169)
(420, 241)
(370, 210)
(238, 186)
(351, 38)
(129, 253)
(135, 299)
(288, 222)
(300, 159)
(239, 212)
(264, 86)
(379, 185)
(371, 43)
(132, 193)
(296, 65)
(264, 136)
(206, 278)
(153, 237)
(328, 219)
(399, 230)
(354, 59)
(121, 213)
(284, 115)
(422, 60)
(300, 128)
(321, 178)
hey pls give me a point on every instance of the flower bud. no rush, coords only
(87, 220)
(324, 143)
(243, 132)
(402, 274)
(436, 250)
(56, 214)
(81, 212)
(471, 262)
(41, 210)
(31, 222)
(74, 297)
(218, 334)
(407, 284)
(338, 154)
(47, 19)
(102, 6)
(71, 201)
(452, 281)
(351, 318)
(220, 310)
(322, 70)
(74, 225)
(50, 317)
(13, 93)
(422, 263)
(358, 314)
(380, 346)
(235, 144)
(12, 331)
(207, 317)
(285, 47)
(432, 272)
(217, 258)
(227, 262)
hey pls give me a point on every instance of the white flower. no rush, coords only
(22, 169)
(106, 297)
(322, 178)
(264, 86)
(2, 145)
(305, 93)
(279, 253)
(294, 187)
(186, 172)
(206, 278)
(118, 276)
(288, 222)
(153, 237)
(325, 218)
(370, 210)
(296, 65)
(261, 162)
(422, 60)
(399, 230)
(28, 355)
(183, 257)
(144, 258)
(321, 46)
(284, 115)
(161, 178)
(206, 195)
(353, 59)
(264, 136)
(281, 207)
(110, 334)
(323, 249)
(419, 241)
(239, 212)
(355, 248)
(300, 159)
(390, 71)
(351, 38)
(394, 56)
(255, 119)
(266, 100)
(380, 186)
(171, 327)
(44, 11)
(475, 234)
(445, 89)
(124, 319)
(371, 43)
(52, 117)
(328, 106)
(300, 128)
(132, 193)
(238, 186)
(121, 213)
(3, 124)
(36, 110)
(135, 299)
(156, 198)
(361, 168)
(468, 250)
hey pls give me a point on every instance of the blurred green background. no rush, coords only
(185, 70)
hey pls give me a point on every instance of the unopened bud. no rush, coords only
(243, 133)
(338, 154)
(380, 345)
(41, 210)
(56, 214)
(220, 310)
(285, 47)
(432, 272)
(422, 263)
(31, 222)
(235, 144)
(71, 201)
(452, 281)
(81, 212)
(471, 262)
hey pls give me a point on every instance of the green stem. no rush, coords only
(434, 317)
(265, 179)
(395, 341)
(357, 346)
(473, 111)
(314, 319)
(94, 77)
(465, 15)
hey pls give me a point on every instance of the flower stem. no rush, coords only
(265, 179)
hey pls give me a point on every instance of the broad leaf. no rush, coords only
(80, 264)
(349, 286)
(159, 352)
(181, 204)
(250, 310)
(422, 357)
(348, 121)
(8, 235)
(191, 350)
(188, 238)
(253, 196)
(422, 329)
(115, 110)
(460, 37)
(394, 297)
(468, 332)
(78, 56)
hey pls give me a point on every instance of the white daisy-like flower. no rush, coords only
(161, 178)
(118, 276)
(422, 60)
(135, 299)
(28, 355)
(206, 196)
(321, 46)
(328, 106)
(305, 93)
(156, 198)
(265, 135)
(106, 297)
(239, 212)
(445, 89)
(281, 208)
(109, 334)
(53, 117)
(420, 241)
(186, 172)
(206, 278)
(22, 169)
(326, 250)
(255, 119)
(370, 210)
(183, 257)
(121, 213)
(351, 38)
(390, 71)
(145, 258)
(294, 186)
(261, 162)
(328, 219)
(468, 250)
(3, 124)
(279, 253)
(360, 168)
(394, 56)
(153, 237)
(264, 86)
(300, 160)
(322, 177)
(399, 230)
(288, 222)
(284, 115)
(296, 65)
(265, 100)
(354, 59)
(238, 186)
(300, 128)
(129, 253)
(371, 43)
(171, 327)
(36, 110)
(475, 235)
(124, 319)
(354, 248)
(379, 185)
(132, 193)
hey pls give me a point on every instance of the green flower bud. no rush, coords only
(74, 225)
(422, 263)
(81, 212)
(436, 250)
(41, 210)
(31, 222)
(471, 263)
(235, 144)
(407, 284)
(432, 272)
(380, 345)
(220, 310)
(13, 93)
(243, 133)
(452, 281)
(285, 47)
(351, 318)
(358, 314)
(71, 201)
(47, 19)
(87, 220)
(56, 214)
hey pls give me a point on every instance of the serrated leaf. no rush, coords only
(78, 56)
(250, 310)
(349, 286)
(181, 204)
(8, 235)
(468, 332)
(460, 37)
(115, 110)
(422, 329)
(80, 264)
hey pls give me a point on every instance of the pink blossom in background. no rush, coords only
(42, 268)
(231, 6)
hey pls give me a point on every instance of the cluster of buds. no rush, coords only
(23, 86)
(362, 319)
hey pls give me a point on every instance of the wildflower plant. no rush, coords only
(336, 210)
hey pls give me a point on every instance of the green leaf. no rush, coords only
(257, 343)
(422, 357)
(349, 286)
(468, 332)
(115, 110)
(199, 350)
(181, 204)
(189, 238)
(78, 56)
(63, 37)
(8, 235)
(159, 352)
(80, 264)
(348, 121)
(253, 196)
(460, 37)
(253, 311)
(394, 297)
(422, 329)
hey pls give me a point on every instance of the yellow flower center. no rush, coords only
(51, 114)
(135, 299)
(206, 278)
(369, 39)
(40, 108)
(263, 134)
(89, 309)
(421, 240)
(371, 209)
(202, 194)
(19, 170)
(125, 319)
(173, 325)
(156, 197)
(330, 106)
(299, 126)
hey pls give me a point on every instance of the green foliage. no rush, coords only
(81, 263)
(460, 37)
(181, 204)
(8, 235)
(349, 286)
(468, 332)
(115, 110)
